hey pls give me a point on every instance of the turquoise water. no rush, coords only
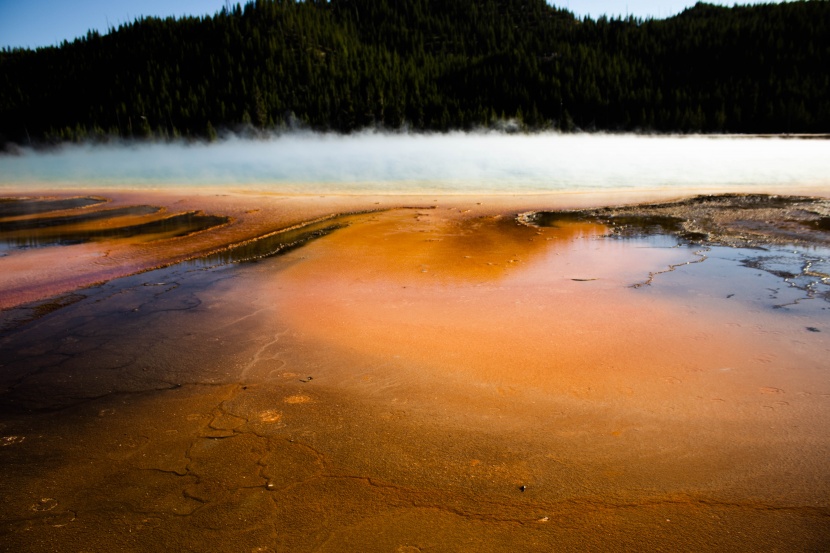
(464, 163)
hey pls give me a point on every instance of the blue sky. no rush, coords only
(34, 23)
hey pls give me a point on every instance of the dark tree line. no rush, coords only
(429, 65)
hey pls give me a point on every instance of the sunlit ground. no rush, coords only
(430, 378)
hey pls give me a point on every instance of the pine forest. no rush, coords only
(426, 65)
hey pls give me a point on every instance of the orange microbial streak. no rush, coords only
(532, 349)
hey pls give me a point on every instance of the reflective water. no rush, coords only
(419, 381)
(13, 207)
(75, 218)
(804, 269)
(76, 229)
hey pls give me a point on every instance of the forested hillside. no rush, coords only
(426, 64)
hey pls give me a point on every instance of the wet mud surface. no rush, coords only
(426, 380)
(745, 220)
(78, 225)
(73, 246)
(13, 207)
(789, 235)
(30, 223)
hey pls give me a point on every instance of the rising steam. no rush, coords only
(456, 162)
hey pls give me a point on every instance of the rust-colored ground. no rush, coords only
(31, 274)
(432, 378)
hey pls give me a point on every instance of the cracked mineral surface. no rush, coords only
(443, 377)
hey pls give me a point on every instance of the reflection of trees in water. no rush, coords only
(55, 231)
(77, 219)
(10, 207)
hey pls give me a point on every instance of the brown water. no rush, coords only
(426, 380)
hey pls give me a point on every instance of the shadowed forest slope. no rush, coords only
(428, 65)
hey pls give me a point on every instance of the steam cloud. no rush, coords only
(387, 163)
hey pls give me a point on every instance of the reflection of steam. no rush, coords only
(455, 162)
